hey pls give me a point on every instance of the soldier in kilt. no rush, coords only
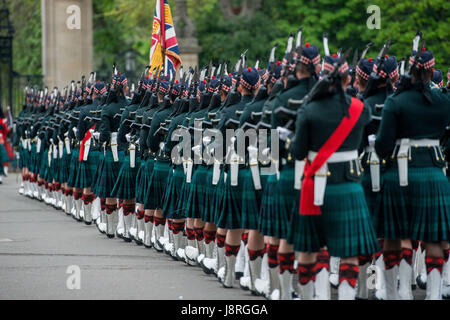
(415, 196)
(336, 215)
(214, 235)
(280, 251)
(113, 150)
(176, 174)
(158, 178)
(89, 159)
(196, 188)
(146, 220)
(230, 216)
(77, 192)
(374, 99)
(125, 186)
(138, 223)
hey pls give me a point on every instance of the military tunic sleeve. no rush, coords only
(299, 146)
(387, 133)
(105, 128)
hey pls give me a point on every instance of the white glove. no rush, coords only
(265, 152)
(96, 135)
(284, 133)
(197, 150)
(137, 142)
(128, 137)
(206, 139)
(66, 134)
(371, 140)
(75, 130)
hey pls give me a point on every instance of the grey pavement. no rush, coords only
(39, 243)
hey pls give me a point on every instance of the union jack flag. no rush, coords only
(164, 48)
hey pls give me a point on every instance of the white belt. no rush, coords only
(132, 150)
(38, 145)
(320, 178)
(114, 146)
(189, 164)
(61, 148)
(299, 170)
(55, 151)
(374, 163)
(49, 154)
(67, 142)
(216, 172)
(404, 152)
(253, 162)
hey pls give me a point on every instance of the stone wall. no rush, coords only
(67, 40)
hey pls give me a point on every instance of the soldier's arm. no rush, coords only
(299, 145)
(105, 128)
(387, 134)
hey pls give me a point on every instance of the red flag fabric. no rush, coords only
(333, 143)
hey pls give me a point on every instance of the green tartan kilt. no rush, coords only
(57, 170)
(267, 207)
(390, 211)
(73, 168)
(195, 201)
(146, 175)
(139, 195)
(218, 197)
(125, 187)
(371, 197)
(86, 170)
(173, 190)
(35, 159)
(429, 204)
(108, 173)
(63, 174)
(251, 200)
(344, 226)
(210, 194)
(53, 170)
(22, 157)
(283, 199)
(184, 195)
(96, 176)
(157, 185)
(230, 214)
(43, 163)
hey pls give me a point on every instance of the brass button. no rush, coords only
(384, 161)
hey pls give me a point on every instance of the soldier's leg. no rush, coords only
(160, 224)
(392, 255)
(191, 250)
(77, 195)
(220, 261)
(111, 217)
(87, 200)
(434, 262)
(286, 258)
(322, 283)
(348, 277)
(405, 271)
(145, 225)
(256, 249)
(446, 271)
(209, 231)
(306, 274)
(199, 224)
(232, 245)
(179, 239)
(129, 207)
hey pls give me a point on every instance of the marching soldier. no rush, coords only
(415, 190)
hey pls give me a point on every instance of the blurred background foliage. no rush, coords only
(224, 31)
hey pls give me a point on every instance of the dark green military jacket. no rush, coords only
(125, 128)
(153, 141)
(408, 115)
(298, 89)
(110, 124)
(83, 124)
(316, 122)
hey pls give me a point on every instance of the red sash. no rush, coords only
(86, 138)
(333, 143)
